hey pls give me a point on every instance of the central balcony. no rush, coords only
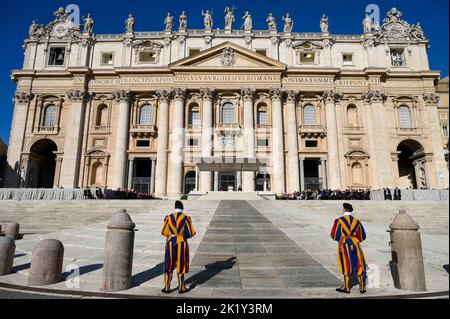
(228, 129)
(139, 130)
(312, 131)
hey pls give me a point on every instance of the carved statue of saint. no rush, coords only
(417, 32)
(168, 22)
(288, 23)
(324, 24)
(33, 28)
(207, 19)
(367, 24)
(61, 14)
(248, 21)
(183, 20)
(271, 22)
(229, 18)
(88, 24)
(129, 24)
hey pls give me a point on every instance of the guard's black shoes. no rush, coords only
(184, 290)
(165, 291)
(343, 290)
(363, 291)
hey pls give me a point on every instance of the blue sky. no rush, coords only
(345, 16)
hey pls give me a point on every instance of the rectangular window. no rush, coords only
(194, 119)
(310, 143)
(445, 130)
(56, 56)
(147, 57)
(262, 51)
(398, 57)
(347, 59)
(192, 142)
(142, 143)
(264, 142)
(193, 51)
(307, 57)
(107, 59)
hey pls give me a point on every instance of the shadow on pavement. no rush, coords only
(83, 270)
(211, 271)
(148, 275)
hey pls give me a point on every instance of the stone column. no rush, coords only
(323, 167)
(302, 174)
(380, 136)
(291, 122)
(248, 178)
(18, 127)
(207, 136)
(72, 142)
(174, 187)
(120, 155)
(59, 160)
(130, 173)
(216, 181)
(163, 143)
(152, 180)
(278, 175)
(329, 99)
(434, 127)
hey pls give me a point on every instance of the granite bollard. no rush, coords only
(407, 260)
(12, 230)
(46, 263)
(119, 246)
(7, 251)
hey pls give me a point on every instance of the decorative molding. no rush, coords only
(179, 94)
(78, 96)
(291, 96)
(431, 99)
(247, 94)
(121, 96)
(374, 96)
(207, 94)
(275, 94)
(23, 98)
(331, 96)
(395, 28)
(163, 95)
(228, 57)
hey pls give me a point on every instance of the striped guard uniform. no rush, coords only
(177, 229)
(349, 233)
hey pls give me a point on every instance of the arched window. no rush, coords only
(261, 116)
(357, 174)
(146, 115)
(404, 117)
(50, 116)
(102, 115)
(309, 115)
(352, 115)
(194, 116)
(228, 116)
(97, 174)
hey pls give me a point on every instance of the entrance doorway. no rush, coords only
(189, 182)
(227, 181)
(142, 175)
(262, 182)
(411, 165)
(42, 164)
(311, 174)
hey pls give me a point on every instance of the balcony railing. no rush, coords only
(313, 183)
(224, 128)
(140, 130)
(101, 129)
(353, 128)
(48, 129)
(312, 131)
(408, 131)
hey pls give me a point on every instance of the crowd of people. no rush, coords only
(118, 194)
(328, 194)
(388, 194)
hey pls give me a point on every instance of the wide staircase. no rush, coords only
(231, 196)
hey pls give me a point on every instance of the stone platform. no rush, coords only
(266, 249)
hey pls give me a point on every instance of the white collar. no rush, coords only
(347, 213)
(178, 210)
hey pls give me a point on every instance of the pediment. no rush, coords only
(227, 56)
(307, 45)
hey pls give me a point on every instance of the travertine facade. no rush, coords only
(167, 112)
(3, 150)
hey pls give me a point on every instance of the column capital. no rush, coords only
(23, 98)
(331, 96)
(431, 99)
(122, 95)
(291, 96)
(247, 94)
(179, 94)
(276, 94)
(207, 93)
(78, 96)
(374, 96)
(163, 95)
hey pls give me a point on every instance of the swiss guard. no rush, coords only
(177, 229)
(349, 233)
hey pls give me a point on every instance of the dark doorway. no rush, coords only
(262, 182)
(189, 182)
(42, 164)
(311, 174)
(142, 175)
(227, 181)
(409, 152)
